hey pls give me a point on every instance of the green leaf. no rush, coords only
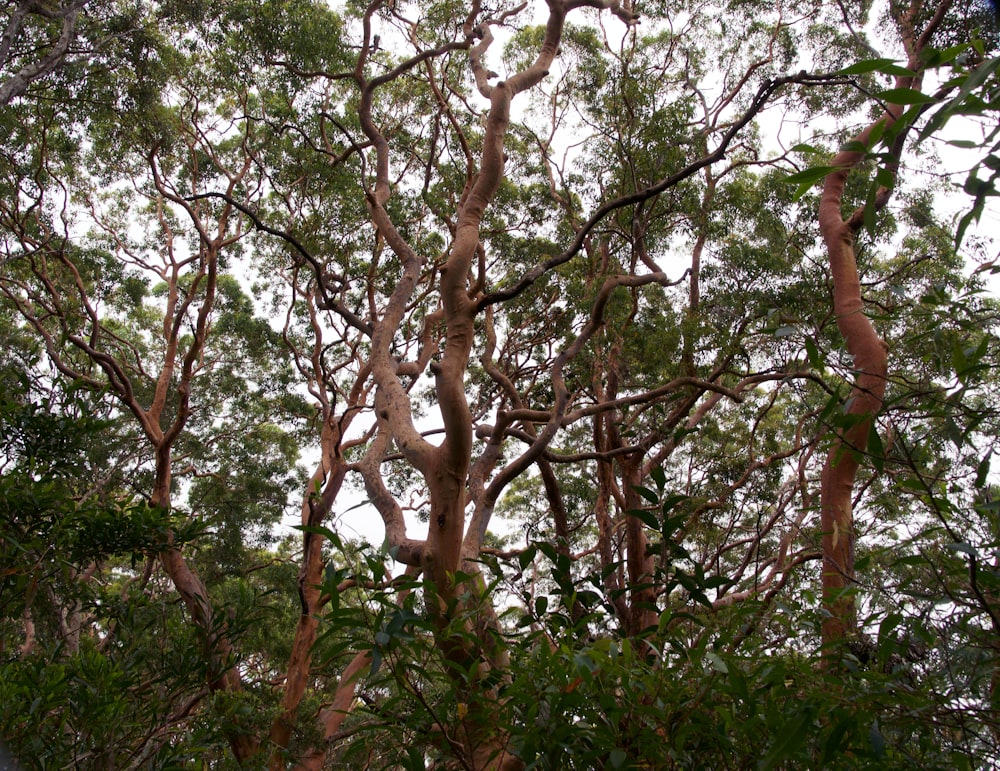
(878, 130)
(648, 518)
(935, 57)
(905, 96)
(650, 495)
(983, 470)
(806, 178)
(832, 746)
(813, 355)
(875, 449)
(876, 740)
(886, 66)
(738, 682)
(526, 557)
(958, 358)
(326, 532)
(670, 524)
(889, 623)
(809, 176)
(673, 501)
(792, 735)
(854, 146)
(717, 663)
(970, 83)
(376, 661)
(884, 177)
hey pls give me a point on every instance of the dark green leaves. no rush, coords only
(806, 178)
(884, 66)
(904, 96)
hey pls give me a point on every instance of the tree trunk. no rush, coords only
(870, 365)
(868, 351)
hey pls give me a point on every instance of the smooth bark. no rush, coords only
(869, 353)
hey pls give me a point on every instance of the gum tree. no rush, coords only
(490, 262)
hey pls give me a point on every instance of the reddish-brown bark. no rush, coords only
(315, 511)
(868, 351)
(446, 468)
(870, 363)
(169, 410)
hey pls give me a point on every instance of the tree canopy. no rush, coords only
(649, 345)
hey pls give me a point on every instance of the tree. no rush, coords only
(868, 351)
(24, 54)
(579, 299)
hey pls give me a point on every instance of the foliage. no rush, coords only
(566, 341)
